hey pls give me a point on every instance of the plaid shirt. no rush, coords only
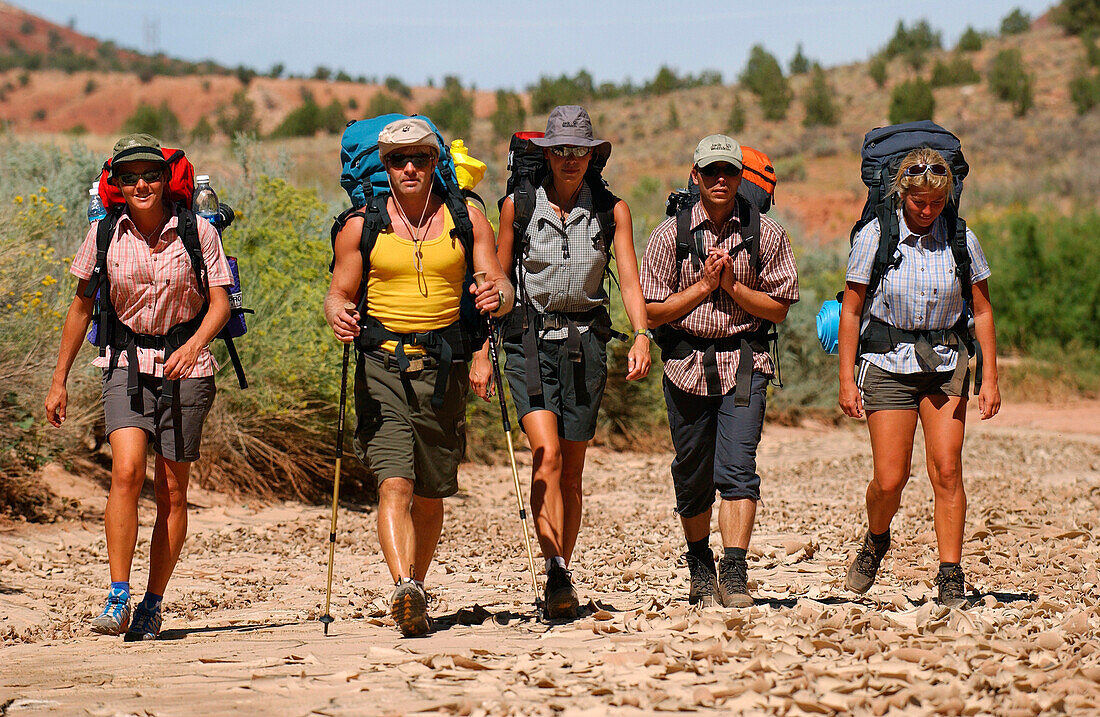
(153, 286)
(562, 269)
(922, 293)
(718, 315)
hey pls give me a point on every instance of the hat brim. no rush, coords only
(705, 161)
(601, 146)
(385, 148)
(138, 154)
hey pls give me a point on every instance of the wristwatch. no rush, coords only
(643, 332)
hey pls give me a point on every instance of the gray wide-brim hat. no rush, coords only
(570, 125)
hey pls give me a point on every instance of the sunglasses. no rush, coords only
(577, 152)
(713, 170)
(916, 170)
(129, 179)
(419, 161)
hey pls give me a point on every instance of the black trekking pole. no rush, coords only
(327, 618)
(499, 383)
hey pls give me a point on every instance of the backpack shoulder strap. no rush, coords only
(187, 227)
(956, 226)
(889, 233)
(685, 240)
(105, 231)
(749, 216)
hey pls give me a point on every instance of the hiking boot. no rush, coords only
(145, 625)
(409, 608)
(733, 583)
(703, 580)
(561, 599)
(862, 571)
(952, 588)
(115, 617)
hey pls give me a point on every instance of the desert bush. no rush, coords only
(549, 92)
(912, 100)
(1078, 16)
(383, 103)
(238, 117)
(956, 71)
(877, 69)
(970, 41)
(1091, 41)
(764, 77)
(161, 122)
(1084, 91)
(203, 131)
(322, 73)
(509, 115)
(454, 111)
(736, 120)
(90, 86)
(1015, 22)
(799, 64)
(1010, 81)
(820, 109)
(396, 86)
(912, 43)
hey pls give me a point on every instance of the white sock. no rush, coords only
(556, 560)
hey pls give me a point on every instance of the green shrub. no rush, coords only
(1015, 22)
(322, 73)
(396, 86)
(764, 78)
(161, 122)
(912, 43)
(383, 103)
(90, 86)
(276, 70)
(912, 100)
(799, 64)
(343, 76)
(956, 71)
(1084, 91)
(876, 68)
(509, 115)
(549, 92)
(1092, 48)
(454, 111)
(1078, 16)
(970, 41)
(1009, 81)
(820, 109)
(736, 120)
(238, 117)
(203, 131)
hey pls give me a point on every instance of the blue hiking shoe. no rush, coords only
(115, 617)
(145, 625)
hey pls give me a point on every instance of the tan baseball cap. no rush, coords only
(408, 132)
(718, 148)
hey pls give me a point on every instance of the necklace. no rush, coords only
(417, 239)
(155, 232)
(559, 205)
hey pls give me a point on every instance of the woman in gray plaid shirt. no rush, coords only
(925, 378)
(555, 338)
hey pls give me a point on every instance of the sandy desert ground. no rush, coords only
(241, 632)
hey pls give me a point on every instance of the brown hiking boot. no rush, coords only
(733, 583)
(862, 571)
(409, 608)
(561, 599)
(703, 580)
(952, 588)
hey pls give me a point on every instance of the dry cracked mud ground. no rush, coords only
(241, 632)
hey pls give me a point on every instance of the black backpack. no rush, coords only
(752, 200)
(883, 150)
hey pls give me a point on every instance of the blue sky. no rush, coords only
(502, 43)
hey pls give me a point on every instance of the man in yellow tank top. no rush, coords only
(410, 393)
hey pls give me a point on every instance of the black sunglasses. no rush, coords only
(129, 179)
(577, 152)
(713, 170)
(420, 161)
(916, 170)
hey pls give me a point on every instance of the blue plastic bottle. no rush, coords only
(204, 201)
(96, 211)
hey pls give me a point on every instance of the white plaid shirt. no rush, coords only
(921, 294)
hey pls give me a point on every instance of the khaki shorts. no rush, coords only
(399, 434)
(886, 391)
(174, 428)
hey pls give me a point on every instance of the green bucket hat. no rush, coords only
(137, 147)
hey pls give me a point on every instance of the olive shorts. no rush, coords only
(174, 427)
(887, 391)
(399, 434)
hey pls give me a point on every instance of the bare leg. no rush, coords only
(735, 521)
(120, 521)
(892, 448)
(696, 527)
(572, 494)
(170, 530)
(395, 526)
(427, 524)
(944, 420)
(546, 482)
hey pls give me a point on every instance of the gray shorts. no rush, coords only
(887, 391)
(174, 428)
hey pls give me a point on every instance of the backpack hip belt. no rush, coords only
(440, 344)
(880, 338)
(679, 344)
(122, 339)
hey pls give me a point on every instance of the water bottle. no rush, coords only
(96, 210)
(204, 202)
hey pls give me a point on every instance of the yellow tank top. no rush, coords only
(406, 300)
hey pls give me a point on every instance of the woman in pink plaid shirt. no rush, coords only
(155, 292)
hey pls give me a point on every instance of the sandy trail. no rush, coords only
(241, 632)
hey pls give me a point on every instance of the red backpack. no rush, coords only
(181, 180)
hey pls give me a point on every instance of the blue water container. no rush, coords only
(828, 326)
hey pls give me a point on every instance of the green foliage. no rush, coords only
(276, 70)
(90, 86)
(245, 74)
(238, 117)
(876, 68)
(799, 64)
(1084, 90)
(549, 92)
(396, 86)
(957, 71)
(1078, 17)
(454, 111)
(1009, 81)
(764, 78)
(322, 73)
(203, 131)
(970, 41)
(911, 100)
(509, 116)
(820, 109)
(912, 43)
(309, 118)
(161, 122)
(1015, 22)
(343, 76)
(736, 120)
(1092, 48)
(383, 103)
(673, 121)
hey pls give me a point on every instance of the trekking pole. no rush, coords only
(327, 618)
(498, 381)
